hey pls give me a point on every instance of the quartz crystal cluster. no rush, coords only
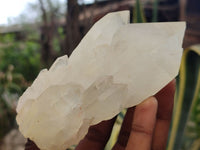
(115, 66)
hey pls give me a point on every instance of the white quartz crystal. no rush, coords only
(116, 65)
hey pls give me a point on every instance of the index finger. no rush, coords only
(143, 125)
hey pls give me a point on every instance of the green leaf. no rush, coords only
(155, 11)
(187, 95)
(138, 15)
(115, 131)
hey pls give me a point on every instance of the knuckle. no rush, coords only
(141, 129)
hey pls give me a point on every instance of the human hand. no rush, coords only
(145, 126)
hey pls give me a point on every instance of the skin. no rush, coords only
(145, 127)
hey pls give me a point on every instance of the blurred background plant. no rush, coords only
(185, 127)
(52, 28)
(19, 65)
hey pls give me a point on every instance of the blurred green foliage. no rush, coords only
(7, 100)
(23, 55)
(19, 65)
(192, 131)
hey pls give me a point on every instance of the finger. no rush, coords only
(125, 130)
(165, 99)
(30, 145)
(143, 125)
(97, 136)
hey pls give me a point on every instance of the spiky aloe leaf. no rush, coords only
(115, 131)
(138, 14)
(155, 11)
(188, 88)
